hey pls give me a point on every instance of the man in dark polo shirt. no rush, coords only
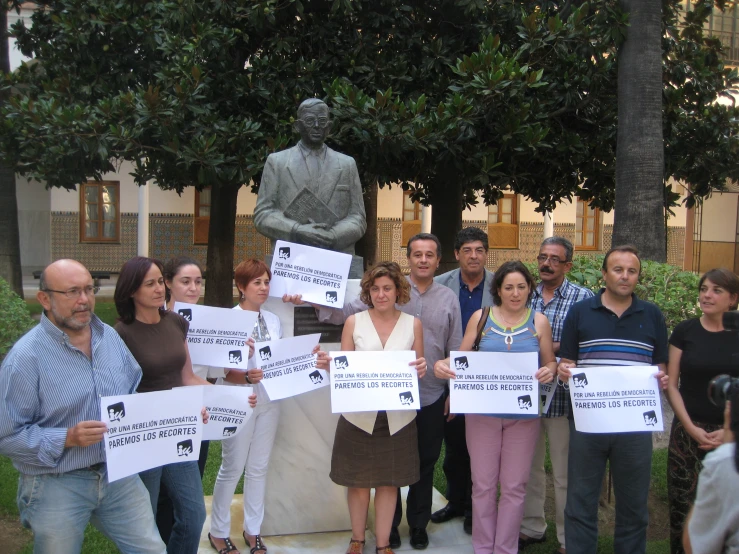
(471, 284)
(612, 328)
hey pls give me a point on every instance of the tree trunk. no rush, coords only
(639, 217)
(221, 237)
(10, 250)
(367, 245)
(446, 220)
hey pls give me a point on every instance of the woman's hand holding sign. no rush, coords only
(323, 360)
(443, 371)
(420, 365)
(545, 374)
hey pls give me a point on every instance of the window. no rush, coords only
(503, 222)
(587, 226)
(202, 216)
(100, 218)
(411, 217)
(723, 25)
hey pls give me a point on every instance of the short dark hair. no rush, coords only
(172, 268)
(385, 269)
(513, 266)
(248, 270)
(725, 279)
(628, 248)
(559, 241)
(422, 236)
(471, 234)
(129, 281)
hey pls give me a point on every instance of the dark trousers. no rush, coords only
(457, 466)
(165, 510)
(430, 425)
(630, 456)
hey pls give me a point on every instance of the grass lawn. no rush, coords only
(96, 543)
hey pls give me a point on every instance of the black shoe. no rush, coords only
(528, 541)
(467, 525)
(445, 514)
(419, 538)
(394, 537)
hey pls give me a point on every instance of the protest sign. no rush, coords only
(228, 410)
(217, 336)
(151, 429)
(494, 383)
(289, 366)
(319, 275)
(616, 399)
(546, 393)
(369, 381)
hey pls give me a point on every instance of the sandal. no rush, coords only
(226, 549)
(355, 547)
(258, 544)
(384, 550)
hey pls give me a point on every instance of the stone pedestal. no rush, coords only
(300, 496)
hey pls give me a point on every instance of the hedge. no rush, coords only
(15, 320)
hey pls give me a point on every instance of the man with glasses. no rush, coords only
(311, 194)
(51, 383)
(553, 297)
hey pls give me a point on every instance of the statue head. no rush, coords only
(313, 123)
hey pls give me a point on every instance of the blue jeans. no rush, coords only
(185, 489)
(57, 508)
(630, 456)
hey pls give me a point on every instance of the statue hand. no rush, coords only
(315, 234)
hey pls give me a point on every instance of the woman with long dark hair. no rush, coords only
(700, 349)
(157, 339)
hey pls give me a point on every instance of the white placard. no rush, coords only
(228, 410)
(546, 393)
(494, 383)
(151, 429)
(617, 399)
(319, 275)
(289, 366)
(370, 381)
(217, 336)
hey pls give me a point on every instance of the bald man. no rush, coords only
(50, 385)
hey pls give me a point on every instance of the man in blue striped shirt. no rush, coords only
(51, 383)
(612, 328)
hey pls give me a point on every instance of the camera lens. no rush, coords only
(719, 389)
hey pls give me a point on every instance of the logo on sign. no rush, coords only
(316, 377)
(406, 398)
(524, 402)
(650, 418)
(186, 313)
(580, 380)
(283, 253)
(340, 362)
(229, 431)
(461, 363)
(184, 448)
(331, 296)
(116, 412)
(265, 353)
(543, 400)
(234, 357)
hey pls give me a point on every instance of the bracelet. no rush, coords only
(246, 378)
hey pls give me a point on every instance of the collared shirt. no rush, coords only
(314, 159)
(438, 309)
(565, 295)
(595, 336)
(48, 386)
(470, 300)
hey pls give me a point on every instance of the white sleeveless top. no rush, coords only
(366, 339)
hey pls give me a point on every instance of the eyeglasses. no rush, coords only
(554, 260)
(75, 293)
(311, 121)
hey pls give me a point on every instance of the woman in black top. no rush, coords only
(700, 349)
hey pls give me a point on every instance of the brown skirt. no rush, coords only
(365, 461)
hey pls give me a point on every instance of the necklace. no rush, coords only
(510, 325)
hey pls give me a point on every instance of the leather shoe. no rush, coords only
(394, 537)
(467, 525)
(528, 541)
(419, 538)
(445, 514)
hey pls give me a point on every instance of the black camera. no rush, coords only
(731, 321)
(721, 388)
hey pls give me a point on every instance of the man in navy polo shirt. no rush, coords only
(612, 328)
(471, 284)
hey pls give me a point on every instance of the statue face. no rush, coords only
(314, 125)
